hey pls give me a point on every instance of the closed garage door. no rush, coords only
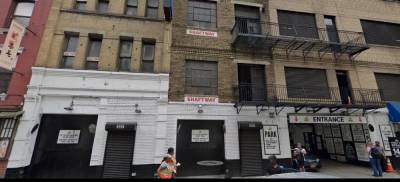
(119, 154)
(250, 151)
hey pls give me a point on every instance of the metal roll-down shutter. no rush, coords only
(250, 150)
(119, 151)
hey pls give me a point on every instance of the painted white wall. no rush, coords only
(109, 95)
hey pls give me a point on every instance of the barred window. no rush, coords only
(202, 14)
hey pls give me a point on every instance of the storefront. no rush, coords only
(340, 138)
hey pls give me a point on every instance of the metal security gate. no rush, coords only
(118, 155)
(200, 148)
(250, 149)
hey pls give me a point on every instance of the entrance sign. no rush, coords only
(386, 132)
(8, 55)
(346, 133)
(202, 33)
(270, 138)
(362, 152)
(200, 136)
(201, 100)
(68, 137)
(302, 119)
(358, 133)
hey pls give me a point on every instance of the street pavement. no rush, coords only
(330, 168)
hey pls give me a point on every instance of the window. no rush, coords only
(80, 4)
(248, 19)
(23, 12)
(307, 83)
(202, 14)
(92, 60)
(5, 77)
(7, 126)
(297, 24)
(102, 6)
(381, 33)
(148, 57)
(70, 51)
(131, 7)
(389, 86)
(201, 78)
(152, 8)
(125, 55)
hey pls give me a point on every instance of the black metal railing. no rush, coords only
(284, 95)
(257, 27)
(285, 36)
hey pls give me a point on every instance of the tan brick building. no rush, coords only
(241, 67)
(101, 78)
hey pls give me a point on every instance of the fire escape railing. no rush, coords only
(254, 33)
(281, 95)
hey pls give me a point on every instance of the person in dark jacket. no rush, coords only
(377, 153)
(274, 167)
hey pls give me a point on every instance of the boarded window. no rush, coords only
(297, 24)
(389, 86)
(202, 14)
(69, 54)
(307, 83)
(381, 33)
(93, 58)
(201, 78)
(5, 77)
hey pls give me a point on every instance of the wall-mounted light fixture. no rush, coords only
(137, 110)
(200, 109)
(70, 107)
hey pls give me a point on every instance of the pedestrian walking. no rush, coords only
(377, 154)
(299, 154)
(171, 153)
(166, 168)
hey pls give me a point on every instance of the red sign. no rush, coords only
(202, 100)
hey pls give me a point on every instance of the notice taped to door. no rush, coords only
(270, 138)
(68, 137)
(200, 136)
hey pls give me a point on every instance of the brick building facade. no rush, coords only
(13, 85)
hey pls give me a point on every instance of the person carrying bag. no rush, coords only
(166, 169)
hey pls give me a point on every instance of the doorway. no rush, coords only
(344, 87)
(118, 155)
(252, 83)
(63, 147)
(250, 149)
(200, 147)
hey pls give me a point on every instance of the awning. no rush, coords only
(394, 112)
(10, 114)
